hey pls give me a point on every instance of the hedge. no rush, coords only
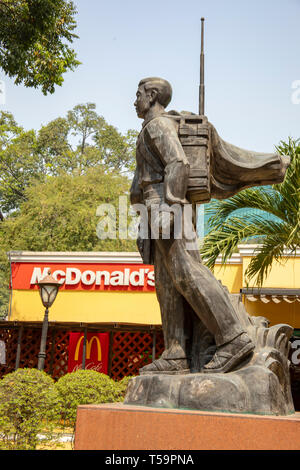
(32, 404)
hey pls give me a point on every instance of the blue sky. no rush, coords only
(252, 57)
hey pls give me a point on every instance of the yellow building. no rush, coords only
(116, 288)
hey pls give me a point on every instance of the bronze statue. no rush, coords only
(181, 161)
(162, 178)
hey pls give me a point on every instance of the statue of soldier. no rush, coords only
(184, 286)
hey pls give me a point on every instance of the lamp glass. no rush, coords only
(48, 294)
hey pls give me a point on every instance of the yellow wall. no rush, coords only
(282, 312)
(230, 275)
(284, 274)
(89, 307)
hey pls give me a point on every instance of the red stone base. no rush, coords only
(126, 427)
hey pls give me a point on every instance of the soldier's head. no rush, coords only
(152, 91)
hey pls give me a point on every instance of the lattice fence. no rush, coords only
(133, 350)
(130, 350)
(56, 363)
(9, 337)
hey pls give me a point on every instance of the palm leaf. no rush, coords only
(276, 220)
(268, 201)
(236, 230)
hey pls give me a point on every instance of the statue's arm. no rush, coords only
(161, 136)
(136, 195)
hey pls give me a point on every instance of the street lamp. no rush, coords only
(48, 287)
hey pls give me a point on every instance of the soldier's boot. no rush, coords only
(230, 355)
(166, 366)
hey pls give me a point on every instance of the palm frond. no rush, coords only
(267, 201)
(276, 219)
(236, 230)
(270, 250)
(289, 189)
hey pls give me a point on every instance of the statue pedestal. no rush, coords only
(252, 389)
(127, 427)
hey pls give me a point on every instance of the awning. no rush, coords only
(267, 295)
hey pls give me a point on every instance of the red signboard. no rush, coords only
(86, 276)
(97, 347)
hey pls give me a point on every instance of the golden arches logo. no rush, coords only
(89, 344)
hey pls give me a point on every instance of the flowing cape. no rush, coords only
(234, 169)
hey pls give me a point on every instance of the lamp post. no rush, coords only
(48, 287)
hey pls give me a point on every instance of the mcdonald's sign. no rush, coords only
(96, 351)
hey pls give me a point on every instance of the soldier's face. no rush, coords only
(143, 102)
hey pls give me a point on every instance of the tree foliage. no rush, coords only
(61, 214)
(275, 222)
(19, 162)
(35, 38)
(83, 140)
(71, 144)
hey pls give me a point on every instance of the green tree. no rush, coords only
(19, 162)
(83, 139)
(61, 214)
(4, 284)
(117, 151)
(53, 147)
(35, 38)
(71, 144)
(278, 231)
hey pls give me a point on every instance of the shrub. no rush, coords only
(29, 405)
(85, 387)
(122, 387)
